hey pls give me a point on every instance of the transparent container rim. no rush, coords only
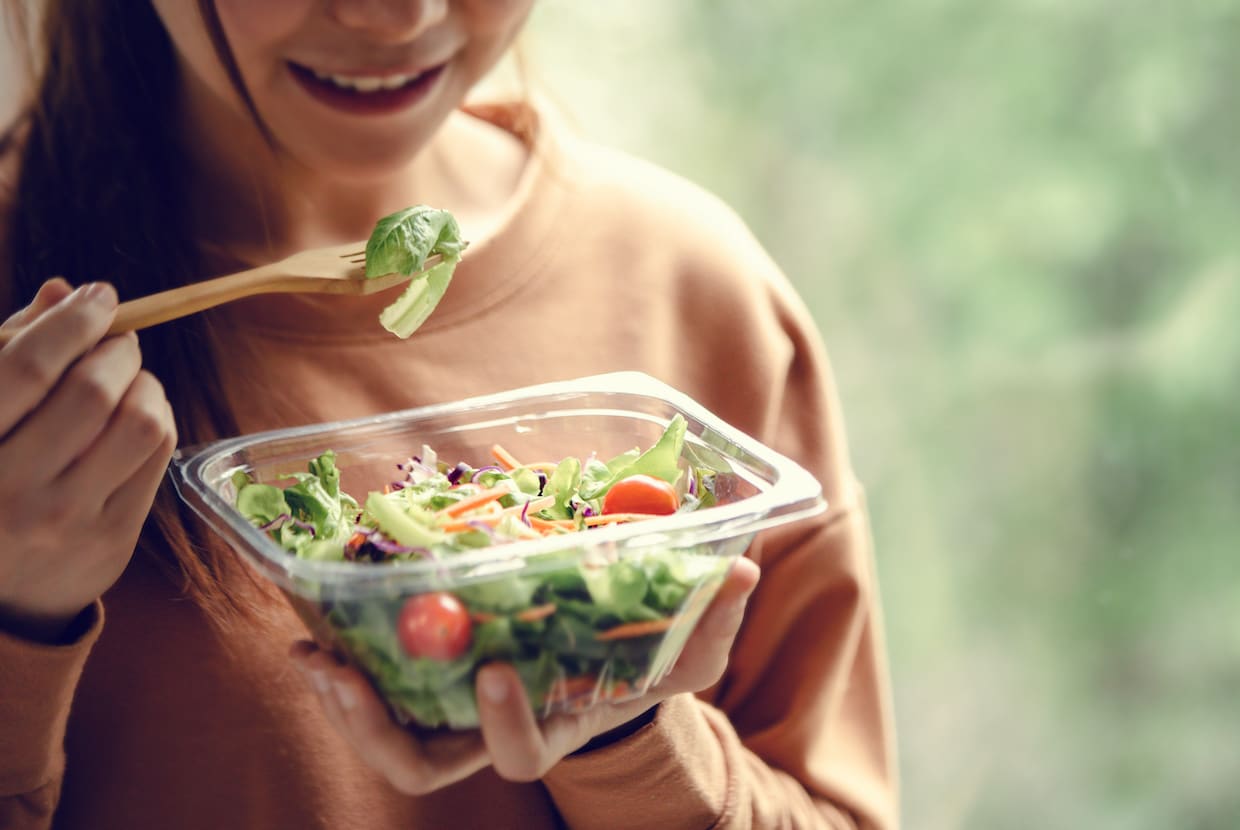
(794, 495)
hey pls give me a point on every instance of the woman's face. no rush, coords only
(349, 88)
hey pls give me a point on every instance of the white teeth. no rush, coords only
(361, 83)
(395, 81)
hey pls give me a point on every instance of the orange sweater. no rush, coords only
(154, 719)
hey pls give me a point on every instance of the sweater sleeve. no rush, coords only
(803, 742)
(799, 731)
(37, 683)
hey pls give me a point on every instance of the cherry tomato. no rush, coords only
(434, 625)
(641, 494)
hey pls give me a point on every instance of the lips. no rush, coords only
(366, 93)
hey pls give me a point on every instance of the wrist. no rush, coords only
(47, 629)
(619, 733)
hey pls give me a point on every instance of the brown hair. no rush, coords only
(97, 196)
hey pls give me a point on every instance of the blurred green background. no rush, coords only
(1015, 224)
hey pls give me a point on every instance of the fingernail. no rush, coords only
(345, 696)
(100, 293)
(493, 687)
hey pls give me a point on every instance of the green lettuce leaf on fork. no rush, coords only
(400, 244)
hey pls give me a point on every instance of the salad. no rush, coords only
(401, 243)
(576, 627)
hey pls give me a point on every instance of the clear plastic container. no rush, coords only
(565, 659)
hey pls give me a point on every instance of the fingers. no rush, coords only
(126, 461)
(507, 723)
(40, 352)
(413, 766)
(523, 748)
(76, 411)
(127, 506)
(50, 293)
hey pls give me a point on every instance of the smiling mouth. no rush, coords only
(367, 83)
(366, 93)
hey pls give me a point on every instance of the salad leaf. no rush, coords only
(618, 587)
(596, 477)
(526, 480)
(262, 503)
(400, 244)
(318, 516)
(399, 524)
(329, 476)
(563, 484)
(660, 461)
(666, 591)
(316, 498)
(410, 310)
(502, 594)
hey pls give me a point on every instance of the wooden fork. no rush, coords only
(338, 270)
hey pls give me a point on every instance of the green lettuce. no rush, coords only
(400, 244)
(315, 500)
(660, 461)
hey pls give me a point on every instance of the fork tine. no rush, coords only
(353, 255)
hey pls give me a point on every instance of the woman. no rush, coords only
(171, 141)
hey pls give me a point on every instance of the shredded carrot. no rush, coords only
(356, 540)
(538, 612)
(627, 631)
(529, 615)
(549, 525)
(618, 688)
(617, 518)
(568, 688)
(463, 525)
(493, 513)
(535, 505)
(475, 501)
(504, 457)
(577, 692)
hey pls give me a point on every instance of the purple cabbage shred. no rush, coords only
(483, 526)
(304, 526)
(276, 522)
(454, 475)
(388, 546)
(482, 470)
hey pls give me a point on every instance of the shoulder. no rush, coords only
(683, 242)
(640, 196)
(663, 254)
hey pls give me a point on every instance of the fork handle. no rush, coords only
(187, 299)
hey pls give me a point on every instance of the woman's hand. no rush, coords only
(85, 437)
(510, 738)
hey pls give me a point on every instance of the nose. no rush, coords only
(389, 20)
